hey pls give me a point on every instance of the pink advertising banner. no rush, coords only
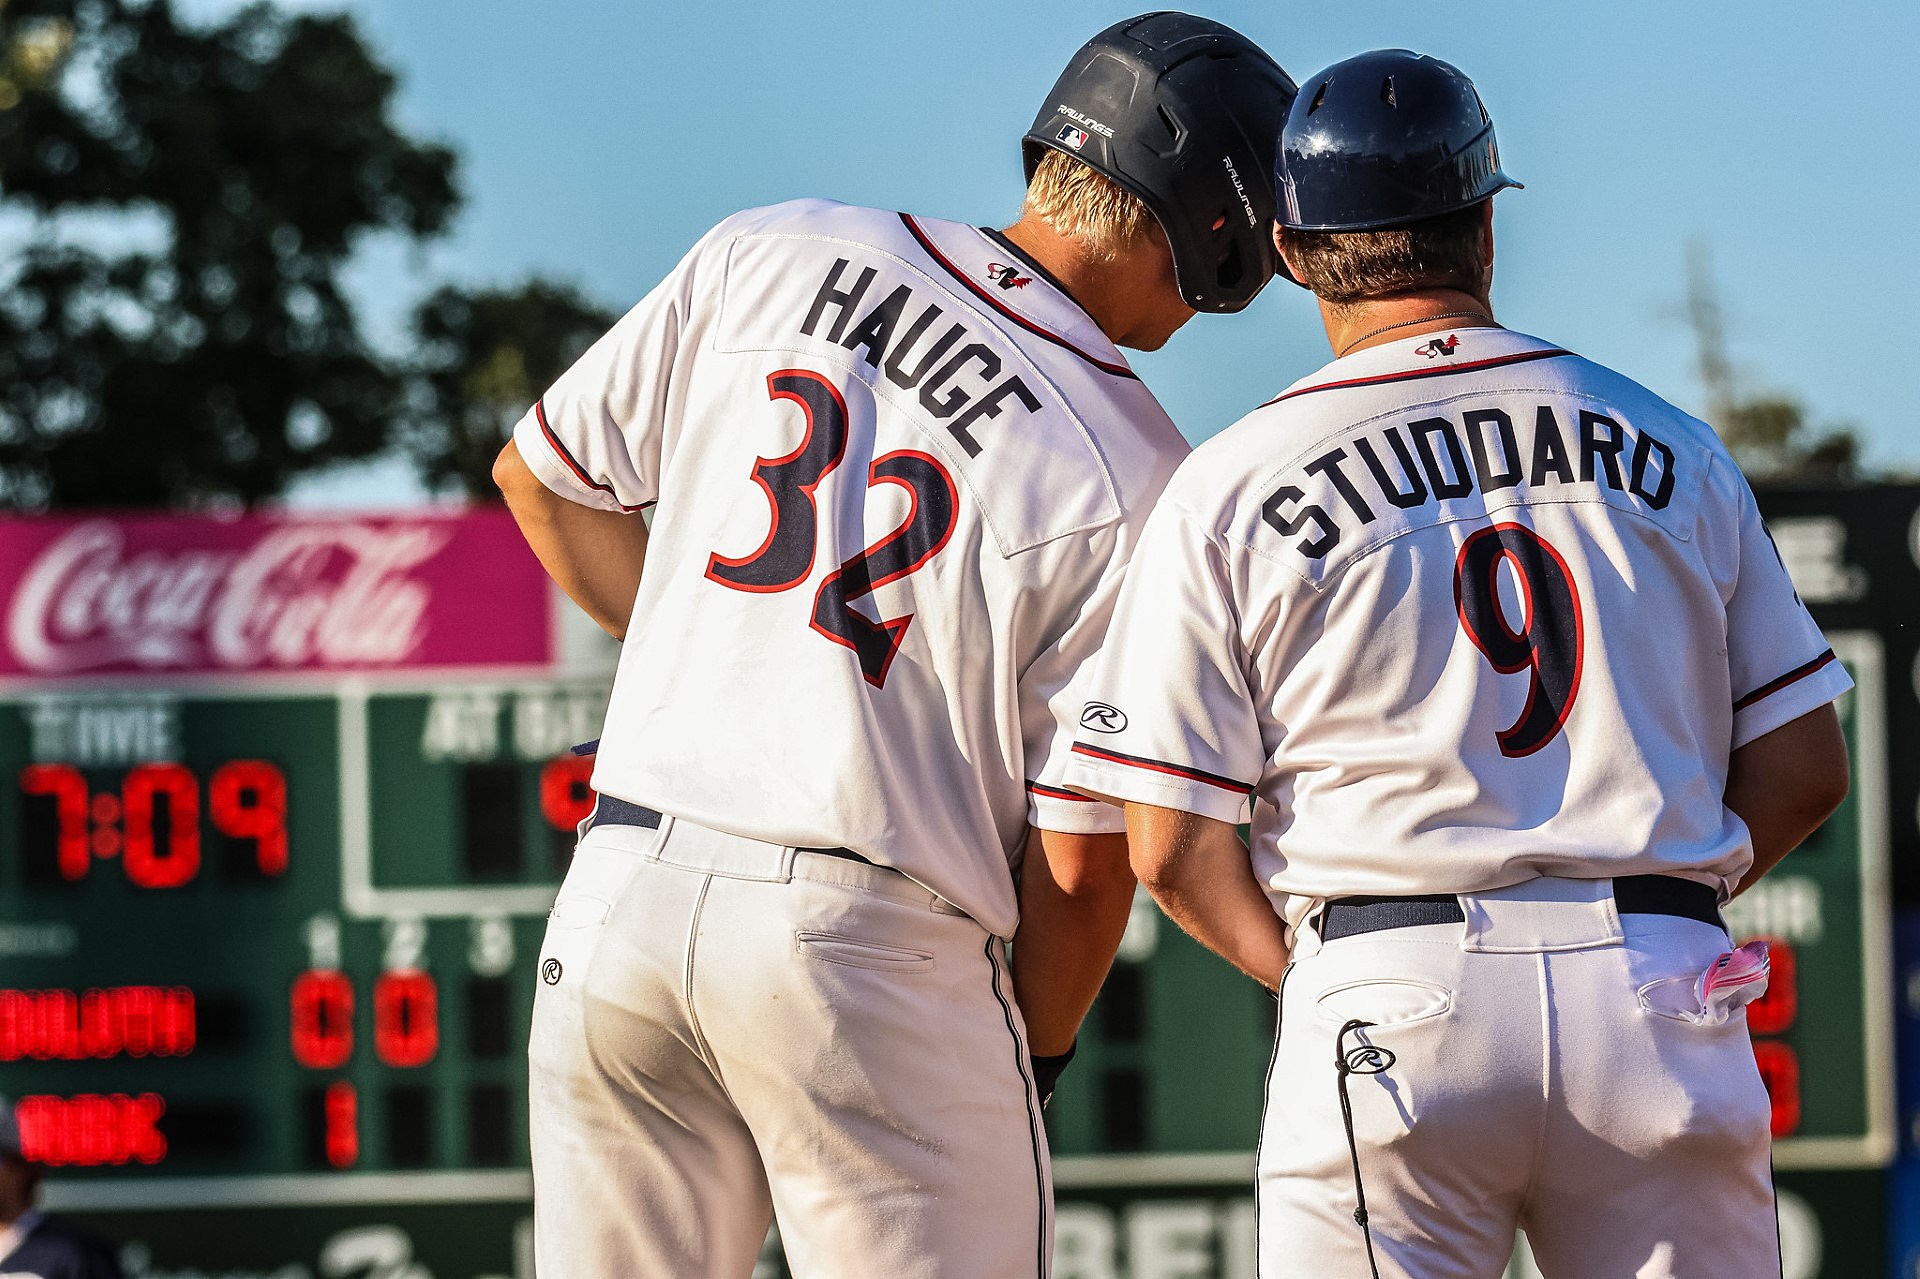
(169, 594)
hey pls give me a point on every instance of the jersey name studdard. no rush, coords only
(1441, 457)
(957, 374)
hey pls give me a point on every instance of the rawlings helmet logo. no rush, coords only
(1007, 277)
(1440, 346)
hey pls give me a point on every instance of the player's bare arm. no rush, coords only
(594, 556)
(1075, 892)
(1783, 784)
(1197, 869)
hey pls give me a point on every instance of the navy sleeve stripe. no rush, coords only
(1793, 676)
(1162, 766)
(579, 472)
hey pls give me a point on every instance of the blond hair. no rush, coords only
(1088, 207)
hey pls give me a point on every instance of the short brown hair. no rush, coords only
(1344, 267)
(1087, 206)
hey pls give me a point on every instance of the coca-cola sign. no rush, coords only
(170, 594)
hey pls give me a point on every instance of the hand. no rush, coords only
(1047, 1072)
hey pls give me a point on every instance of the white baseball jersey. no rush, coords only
(899, 477)
(1453, 613)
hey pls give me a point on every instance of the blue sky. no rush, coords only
(599, 140)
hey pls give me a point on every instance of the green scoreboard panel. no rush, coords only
(280, 933)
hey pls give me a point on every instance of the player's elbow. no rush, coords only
(1156, 838)
(1154, 867)
(514, 478)
(1089, 867)
(1102, 878)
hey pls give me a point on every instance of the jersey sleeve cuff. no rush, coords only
(1056, 808)
(1135, 781)
(551, 463)
(1803, 689)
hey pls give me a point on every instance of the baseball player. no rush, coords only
(1494, 648)
(900, 465)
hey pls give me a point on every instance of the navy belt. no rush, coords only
(1632, 895)
(610, 810)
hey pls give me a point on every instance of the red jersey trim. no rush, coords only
(1054, 792)
(579, 472)
(1161, 766)
(1793, 676)
(1414, 375)
(979, 291)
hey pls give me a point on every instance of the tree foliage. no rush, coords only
(1770, 437)
(484, 356)
(202, 349)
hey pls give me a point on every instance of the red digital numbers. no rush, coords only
(68, 790)
(247, 799)
(1780, 1071)
(153, 824)
(566, 796)
(92, 1129)
(1774, 1014)
(147, 865)
(406, 1018)
(342, 1115)
(322, 1019)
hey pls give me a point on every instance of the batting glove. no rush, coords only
(1047, 1072)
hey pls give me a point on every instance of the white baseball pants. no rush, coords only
(727, 1031)
(1539, 1073)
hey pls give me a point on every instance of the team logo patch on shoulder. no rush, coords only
(1440, 346)
(1071, 137)
(1102, 718)
(1007, 277)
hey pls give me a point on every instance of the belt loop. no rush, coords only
(662, 833)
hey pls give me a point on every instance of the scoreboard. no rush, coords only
(283, 805)
(281, 814)
(280, 932)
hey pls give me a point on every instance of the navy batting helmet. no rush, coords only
(1185, 113)
(1384, 139)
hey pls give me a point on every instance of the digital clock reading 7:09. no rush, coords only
(155, 819)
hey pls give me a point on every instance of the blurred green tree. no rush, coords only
(483, 357)
(173, 327)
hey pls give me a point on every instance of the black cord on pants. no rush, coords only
(1364, 1059)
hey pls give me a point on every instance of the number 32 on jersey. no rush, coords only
(1548, 643)
(785, 559)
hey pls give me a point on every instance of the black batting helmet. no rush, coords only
(1184, 113)
(1384, 139)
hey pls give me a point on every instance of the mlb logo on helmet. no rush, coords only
(1075, 138)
